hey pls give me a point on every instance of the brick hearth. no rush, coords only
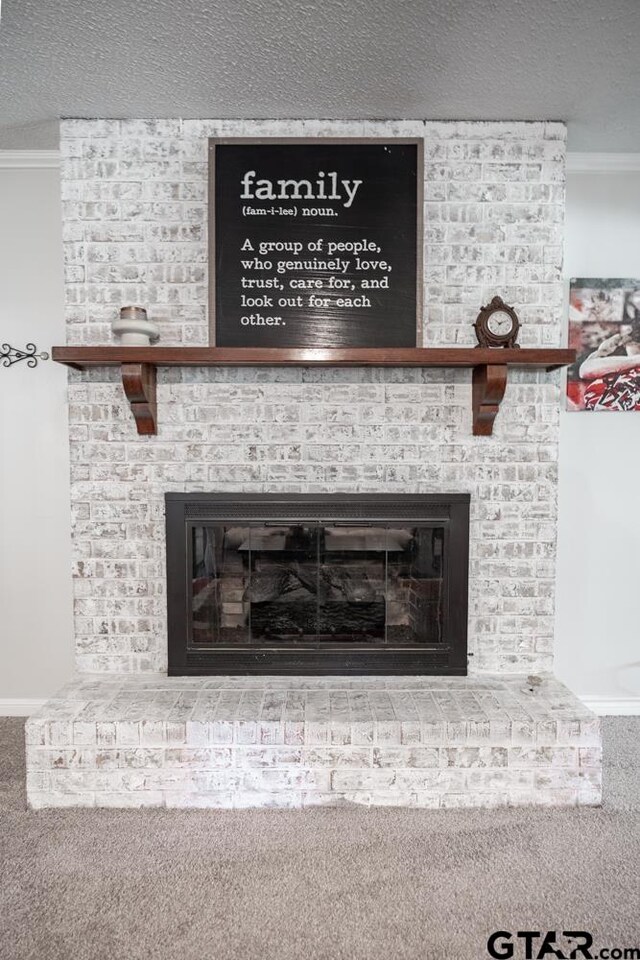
(293, 742)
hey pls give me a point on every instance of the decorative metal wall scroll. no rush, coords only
(10, 355)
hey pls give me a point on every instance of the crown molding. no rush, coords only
(29, 159)
(602, 162)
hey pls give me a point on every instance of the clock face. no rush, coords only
(500, 323)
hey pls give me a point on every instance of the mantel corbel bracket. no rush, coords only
(139, 382)
(489, 385)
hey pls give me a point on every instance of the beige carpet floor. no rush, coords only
(336, 884)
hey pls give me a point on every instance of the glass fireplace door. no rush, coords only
(308, 584)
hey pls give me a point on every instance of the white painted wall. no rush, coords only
(35, 581)
(598, 575)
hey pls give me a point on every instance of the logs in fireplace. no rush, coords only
(317, 584)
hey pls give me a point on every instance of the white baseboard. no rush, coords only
(613, 706)
(19, 708)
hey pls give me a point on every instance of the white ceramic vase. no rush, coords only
(133, 329)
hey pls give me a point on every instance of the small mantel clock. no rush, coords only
(497, 325)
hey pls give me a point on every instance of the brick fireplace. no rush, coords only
(135, 231)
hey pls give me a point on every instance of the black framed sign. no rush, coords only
(315, 242)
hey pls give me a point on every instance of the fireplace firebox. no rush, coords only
(317, 583)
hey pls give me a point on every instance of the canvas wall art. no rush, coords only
(315, 242)
(604, 329)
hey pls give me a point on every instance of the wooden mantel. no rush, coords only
(139, 366)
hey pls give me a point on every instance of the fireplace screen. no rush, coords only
(302, 594)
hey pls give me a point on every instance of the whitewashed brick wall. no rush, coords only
(135, 221)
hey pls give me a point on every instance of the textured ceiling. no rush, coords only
(573, 60)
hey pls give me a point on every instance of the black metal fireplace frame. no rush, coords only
(448, 657)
